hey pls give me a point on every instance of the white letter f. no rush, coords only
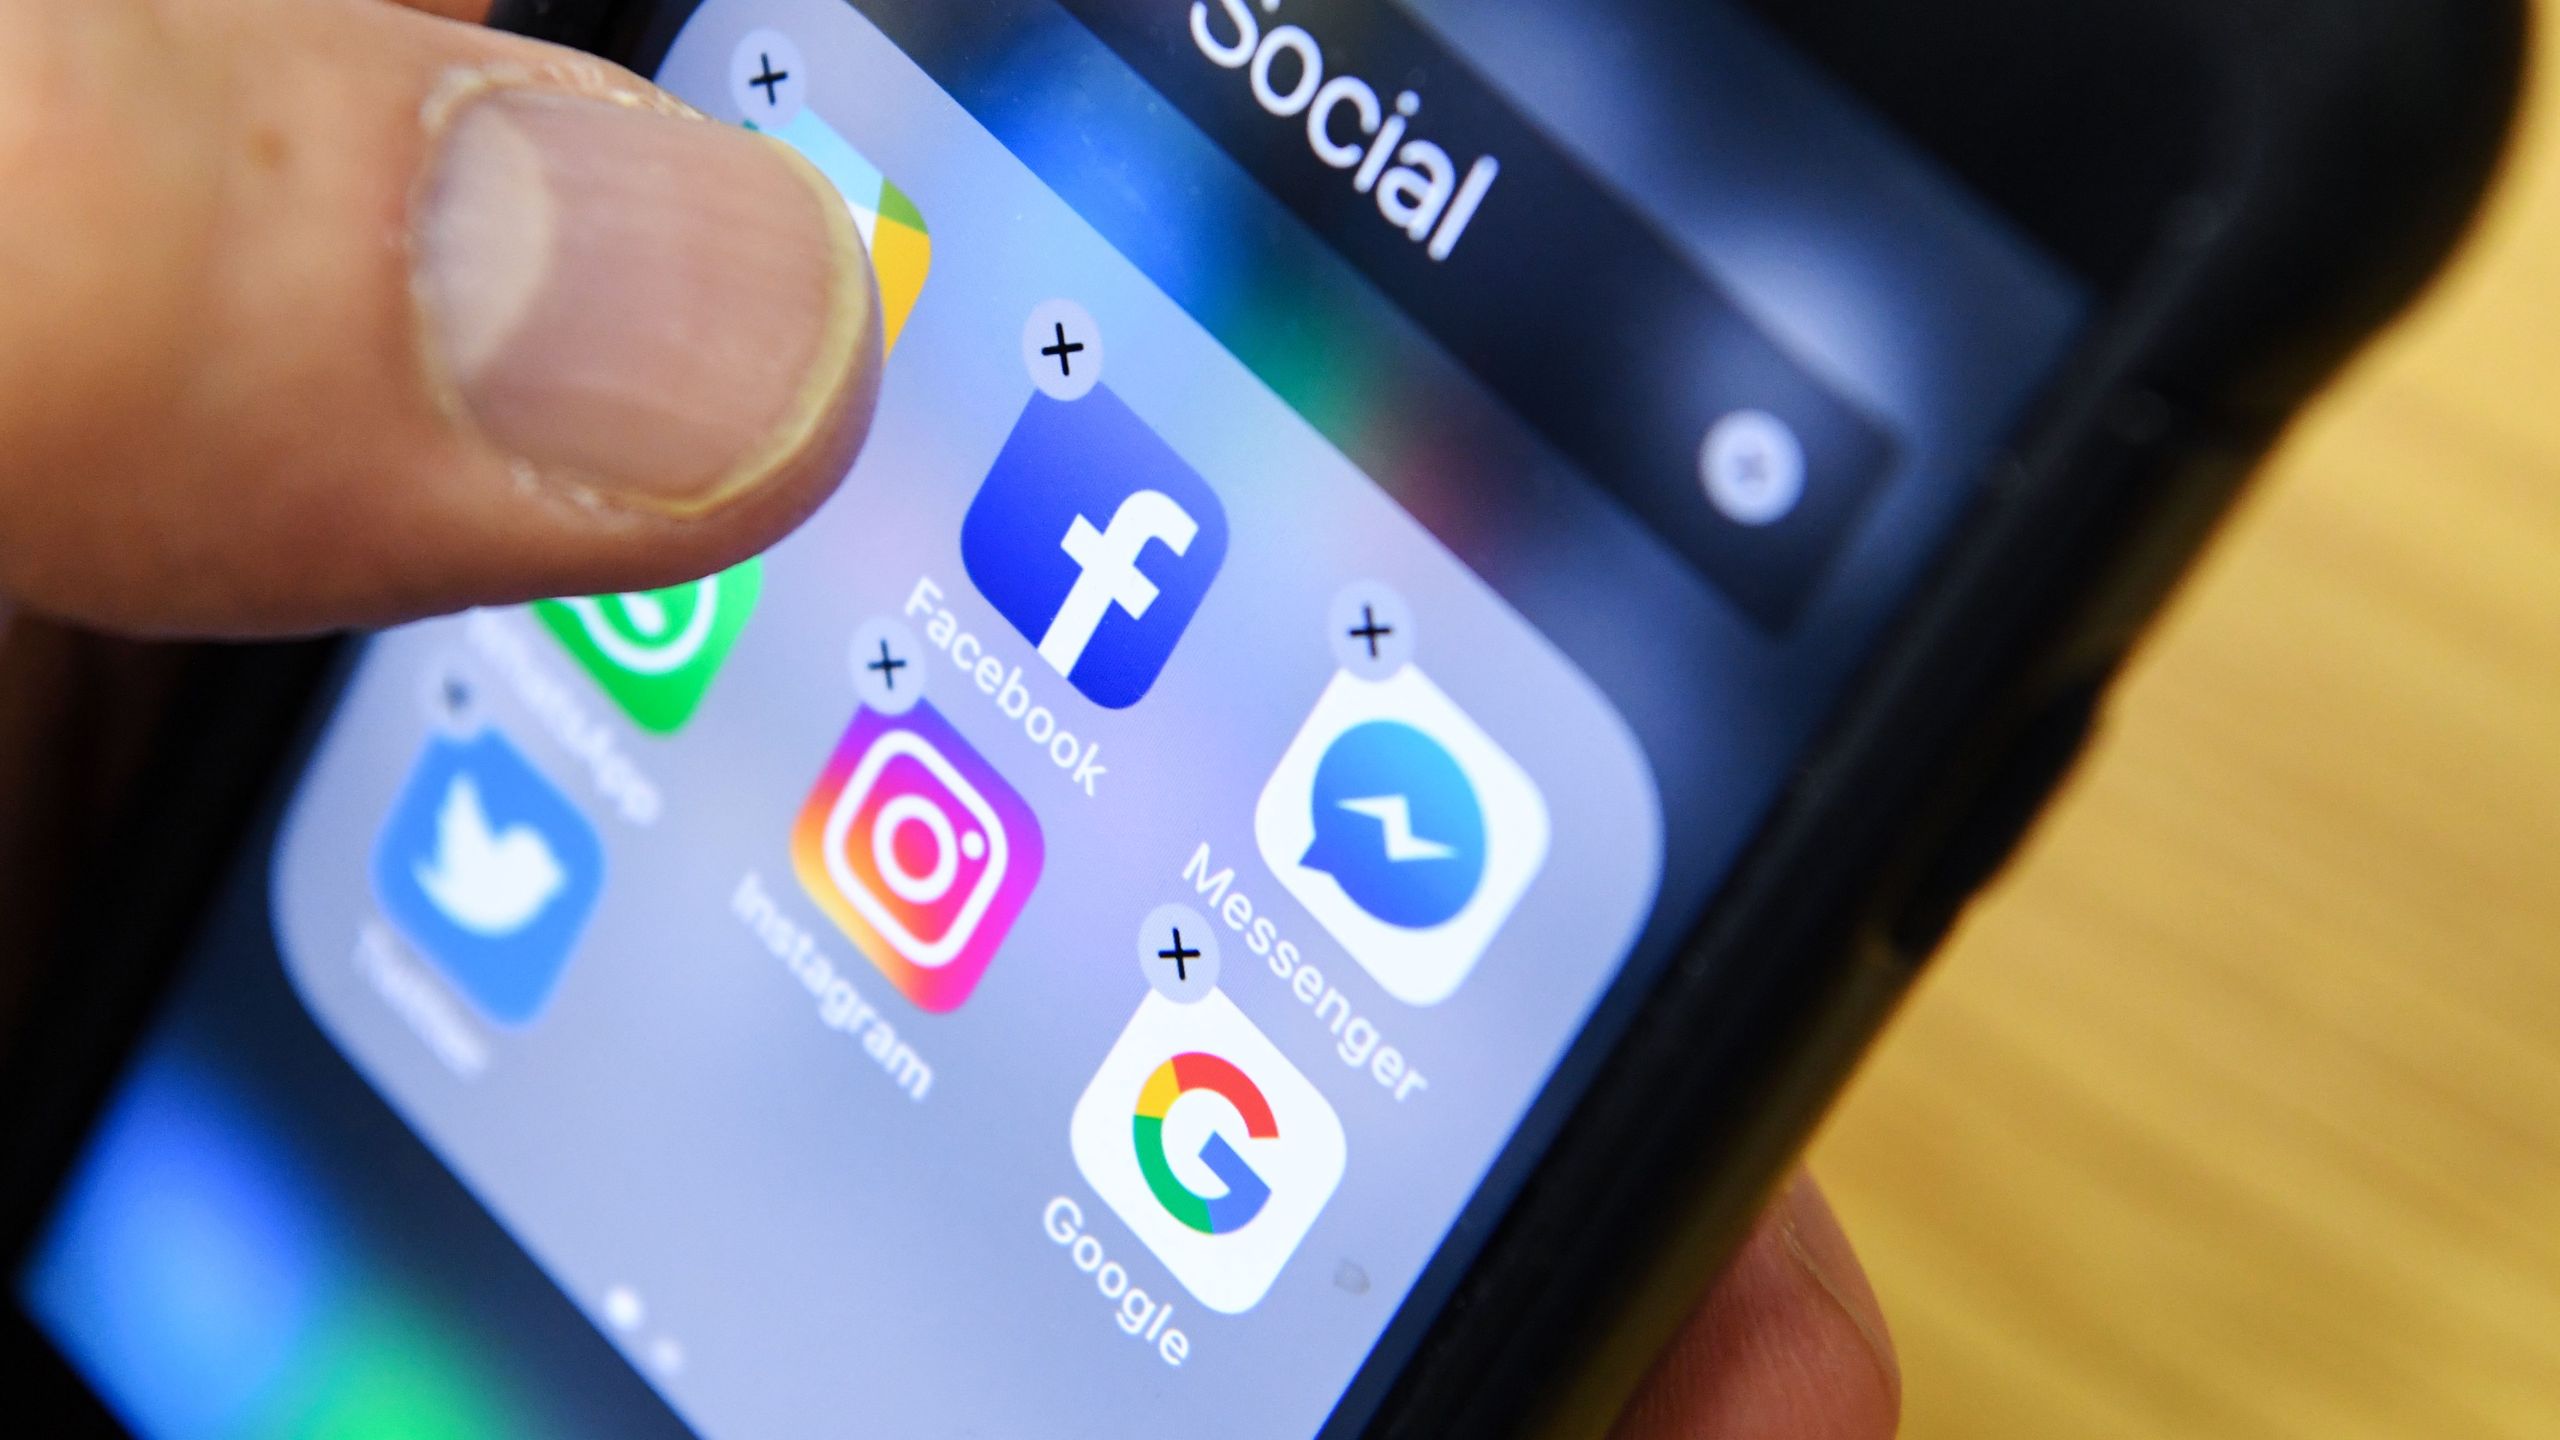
(1109, 559)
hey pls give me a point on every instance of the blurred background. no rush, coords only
(2236, 1110)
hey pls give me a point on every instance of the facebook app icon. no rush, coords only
(1096, 541)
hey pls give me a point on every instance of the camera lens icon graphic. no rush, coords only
(893, 844)
(919, 851)
(896, 851)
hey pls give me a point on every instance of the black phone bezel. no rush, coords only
(2280, 176)
(2348, 147)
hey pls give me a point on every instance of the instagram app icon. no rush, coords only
(916, 848)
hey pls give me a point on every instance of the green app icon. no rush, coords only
(656, 651)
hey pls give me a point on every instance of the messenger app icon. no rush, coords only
(1404, 829)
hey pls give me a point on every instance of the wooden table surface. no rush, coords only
(2236, 1110)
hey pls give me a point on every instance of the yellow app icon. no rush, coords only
(901, 250)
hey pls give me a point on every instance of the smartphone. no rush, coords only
(1446, 600)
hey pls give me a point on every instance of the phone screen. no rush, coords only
(1369, 502)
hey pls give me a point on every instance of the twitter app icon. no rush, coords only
(490, 872)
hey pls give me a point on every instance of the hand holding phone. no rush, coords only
(134, 514)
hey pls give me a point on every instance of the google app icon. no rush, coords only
(1210, 1146)
(1234, 1207)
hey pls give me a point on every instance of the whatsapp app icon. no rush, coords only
(656, 651)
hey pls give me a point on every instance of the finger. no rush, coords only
(325, 311)
(1791, 1345)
